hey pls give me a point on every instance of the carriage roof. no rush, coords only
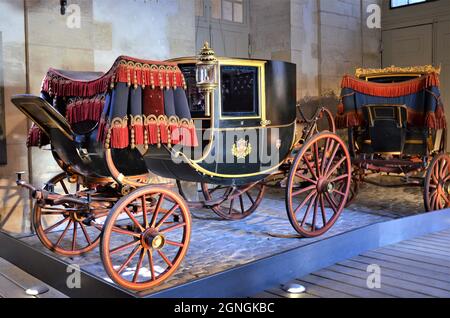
(394, 71)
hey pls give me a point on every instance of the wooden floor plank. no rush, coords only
(282, 293)
(407, 268)
(343, 287)
(10, 290)
(266, 295)
(439, 237)
(432, 240)
(323, 292)
(415, 257)
(421, 251)
(25, 280)
(408, 262)
(362, 283)
(429, 245)
(397, 281)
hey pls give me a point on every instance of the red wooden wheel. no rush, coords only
(437, 184)
(318, 184)
(145, 238)
(244, 200)
(61, 228)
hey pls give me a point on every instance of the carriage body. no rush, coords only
(108, 131)
(396, 123)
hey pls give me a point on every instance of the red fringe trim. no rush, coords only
(163, 133)
(85, 109)
(102, 130)
(125, 70)
(119, 137)
(391, 89)
(138, 134)
(174, 134)
(188, 136)
(152, 132)
(36, 137)
(434, 120)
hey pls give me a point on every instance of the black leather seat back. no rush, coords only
(386, 127)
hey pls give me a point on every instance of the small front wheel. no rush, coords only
(145, 238)
(318, 184)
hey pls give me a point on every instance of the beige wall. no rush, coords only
(13, 202)
(436, 14)
(325, 38)
(109, 28)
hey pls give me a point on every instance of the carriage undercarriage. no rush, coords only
(143, 229)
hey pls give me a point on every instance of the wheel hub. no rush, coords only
(324, 186)
(151, 239)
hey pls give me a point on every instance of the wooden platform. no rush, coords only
(415, 268)
(14, 282)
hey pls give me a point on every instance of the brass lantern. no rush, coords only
(207, 76)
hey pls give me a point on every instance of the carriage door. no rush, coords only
(225, 25)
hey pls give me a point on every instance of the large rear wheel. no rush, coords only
(437, 184)
(318, 184)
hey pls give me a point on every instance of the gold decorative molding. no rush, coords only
(426, 69)
(241, 149)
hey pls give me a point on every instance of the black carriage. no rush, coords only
(228, 124)
(397, 127)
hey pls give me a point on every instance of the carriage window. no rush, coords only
(239, 91)
(195, 99)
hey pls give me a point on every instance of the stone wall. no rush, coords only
(108, 28)
(14, 203)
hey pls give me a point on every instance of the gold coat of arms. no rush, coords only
(241, 149)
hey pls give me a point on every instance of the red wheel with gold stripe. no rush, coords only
(145, 238)
(318, 184)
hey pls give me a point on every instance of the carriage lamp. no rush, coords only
(207, 76)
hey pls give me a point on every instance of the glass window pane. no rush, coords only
(227, 10)
(239, 91)
(216, 9)
(238, 13)
(199, 11)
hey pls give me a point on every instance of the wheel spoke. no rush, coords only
(151, 265)
(54, 226)
(316, 208)
(340, 178)
(74, 237)
(168, 214)
(231, 207)
(331, 203)
(124, 247)
(294, 194)
(118, 230)
(304, 202)
(156, 211)
(308, 209)
(339, 192)
(63, 185)
(129, 259)
(139, 265)
(63, 233)
(135, 221)
(169, 229)
(164, 257)
(301, 176)
(324, 211)
(174, 243)
(250, 197)
(316, 155)
(241, 200)
(335, 167)
(310, 167)
(86, 234)
(144, 210)
(330, 161)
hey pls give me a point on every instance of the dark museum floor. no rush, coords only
(220, 245)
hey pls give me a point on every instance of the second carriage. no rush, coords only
(228, 124)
